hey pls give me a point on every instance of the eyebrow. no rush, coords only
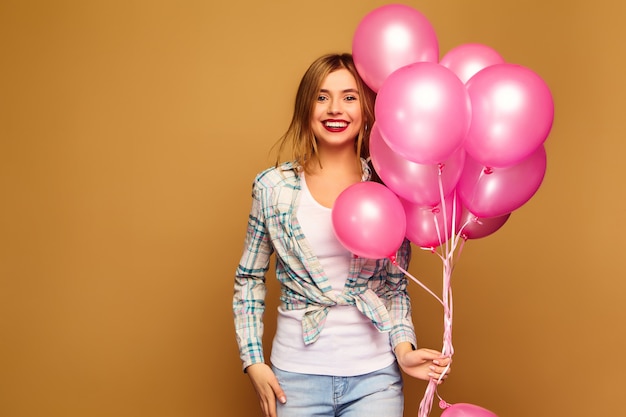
(349, 90)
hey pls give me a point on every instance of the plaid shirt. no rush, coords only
(375, 286)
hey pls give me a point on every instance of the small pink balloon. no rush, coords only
(512, 114)
(390, 37)
(426, 226)
(479, 227)
(368, 219)
(467, 59)
(466, 410)
(414, 182)
(492, 192)
(423, 112)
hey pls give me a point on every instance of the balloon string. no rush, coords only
(447, 258)
(448, 349)
(418, 282)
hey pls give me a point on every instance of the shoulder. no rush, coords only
(286, 174)
(277, 187)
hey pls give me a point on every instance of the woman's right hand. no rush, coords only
(267, 387)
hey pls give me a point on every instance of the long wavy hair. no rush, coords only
(299, 136)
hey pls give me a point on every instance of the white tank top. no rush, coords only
(349, 343)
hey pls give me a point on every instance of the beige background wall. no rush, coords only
(130, 132)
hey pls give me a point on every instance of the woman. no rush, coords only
(344, 325)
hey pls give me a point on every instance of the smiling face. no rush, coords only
(337, 116)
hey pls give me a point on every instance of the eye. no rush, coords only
(351, 98)
(321, 98)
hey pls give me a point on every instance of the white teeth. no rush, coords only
(336, 124)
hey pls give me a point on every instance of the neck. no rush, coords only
(335, 160)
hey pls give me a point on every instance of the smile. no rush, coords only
(335, 125)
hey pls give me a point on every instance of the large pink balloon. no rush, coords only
(414, 182)
(492, 192)
(423, 112)
(369, 220)
(389, 38)
(475, 227)
(467, 59)
(512, 114)
(466, 410)
(422, 222)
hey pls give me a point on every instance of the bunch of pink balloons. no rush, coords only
(464, 133)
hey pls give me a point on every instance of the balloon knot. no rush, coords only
(393, 258)
(443, 405)
(476, 220)
(436, 210)
(488, 170)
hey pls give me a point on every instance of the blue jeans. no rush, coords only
(377, 394)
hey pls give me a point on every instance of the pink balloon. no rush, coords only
(467, 59)
(512, 114)
(423, 112)
(389, 38)
(466, 410)
(369, 220)
(422, 222)
(492, 192)
(479, 227)
(414, 182)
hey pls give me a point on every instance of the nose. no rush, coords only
(334, 107)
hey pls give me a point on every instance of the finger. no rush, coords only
(442, 361)
(267, 400)
(264, 408)
(439, 378)
(272, 409)
(268, 405)
(271, 404)
(440, 355)
(438, 372)
(431, 354)
(278, 392)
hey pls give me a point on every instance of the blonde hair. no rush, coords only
(300, 134)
